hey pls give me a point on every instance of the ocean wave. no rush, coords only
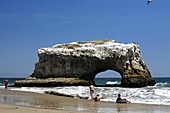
(162, 84)
(112, 83)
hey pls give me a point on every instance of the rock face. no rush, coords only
(84, 60)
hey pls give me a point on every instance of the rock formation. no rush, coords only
(84, 60)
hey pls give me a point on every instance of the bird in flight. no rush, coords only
(149, 1)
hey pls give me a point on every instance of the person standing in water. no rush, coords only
(91, 87)
(6, 84)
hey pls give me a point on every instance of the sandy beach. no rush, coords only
(26, 102)
(5, 108)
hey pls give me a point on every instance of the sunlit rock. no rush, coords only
(84, 60)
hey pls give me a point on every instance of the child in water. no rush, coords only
(97, 98)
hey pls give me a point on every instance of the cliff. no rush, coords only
(84, 60)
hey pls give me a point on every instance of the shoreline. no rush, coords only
(44, 103)
(41, 103)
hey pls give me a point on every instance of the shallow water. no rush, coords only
(146, 95)
(64, 103)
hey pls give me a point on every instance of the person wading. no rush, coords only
(91, 87)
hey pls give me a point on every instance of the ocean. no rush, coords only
(158, 94)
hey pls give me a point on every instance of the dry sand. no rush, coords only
(16, 102)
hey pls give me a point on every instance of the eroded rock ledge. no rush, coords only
(51, 82)
(84, 60)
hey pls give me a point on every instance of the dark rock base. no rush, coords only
(51, 82)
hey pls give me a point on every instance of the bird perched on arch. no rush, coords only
(149, 1)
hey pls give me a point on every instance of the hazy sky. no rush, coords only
(27, 25)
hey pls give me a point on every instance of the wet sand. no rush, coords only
(5, 108)
(26, 102)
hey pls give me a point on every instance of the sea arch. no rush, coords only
(84, 60)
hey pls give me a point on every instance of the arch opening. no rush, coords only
(108, 78)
